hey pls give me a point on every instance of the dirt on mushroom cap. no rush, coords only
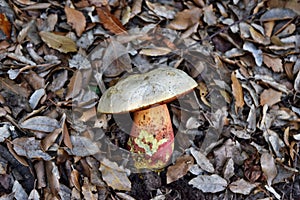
(142, 90)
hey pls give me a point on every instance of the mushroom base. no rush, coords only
(152, 137)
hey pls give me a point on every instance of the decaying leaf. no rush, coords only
(268, 167)
(242, 187)
(213, 183)
(237, 91)
(40, 123)
(58, 42)
(30, 148)
(76, 19)
(115, 176)
(270, 97)
(181, 167)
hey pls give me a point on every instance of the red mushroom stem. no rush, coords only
(152, 137)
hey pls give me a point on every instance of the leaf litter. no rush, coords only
(237, 138)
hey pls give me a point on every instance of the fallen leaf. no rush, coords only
(272, 62)
(241, 187)
(228, 171)
(40, 123)
(58, 42)
(257, 53)
(155, 51)
(202, 161)
(186, 18)
(53, 177)
(5, 25)
(161, 10)
(209, 15)
(213, 183)
(258, 37)
(109, 21)
(36, 97)
(76, 19)
(49, 140)
(83, 146)
(237, 91)
(270, 97)
(114, 175)
(268, 167)
(292, 4)
(181, 167)
(278, 14)
(75, 85)
(30, 148)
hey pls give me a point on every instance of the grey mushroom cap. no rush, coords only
(140, 91)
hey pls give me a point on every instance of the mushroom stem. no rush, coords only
(152, 137)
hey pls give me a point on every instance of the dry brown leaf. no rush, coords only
(186, 18)
(5, 25)
(75, 179)
(49, 140)
(52, 177)
(270, 97)
(181, 167)
(39, 167)
(155, 51)
(76, 19)
(272, 62)
(75, 85)
(114, 175)
(65, 133)
(109, 21)
(58, 42)
(237, 91)
(258, 37)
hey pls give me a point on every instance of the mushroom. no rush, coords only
(146, 95)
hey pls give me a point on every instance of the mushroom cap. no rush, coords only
(140, 91)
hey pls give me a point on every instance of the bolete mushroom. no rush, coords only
(146, 96)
